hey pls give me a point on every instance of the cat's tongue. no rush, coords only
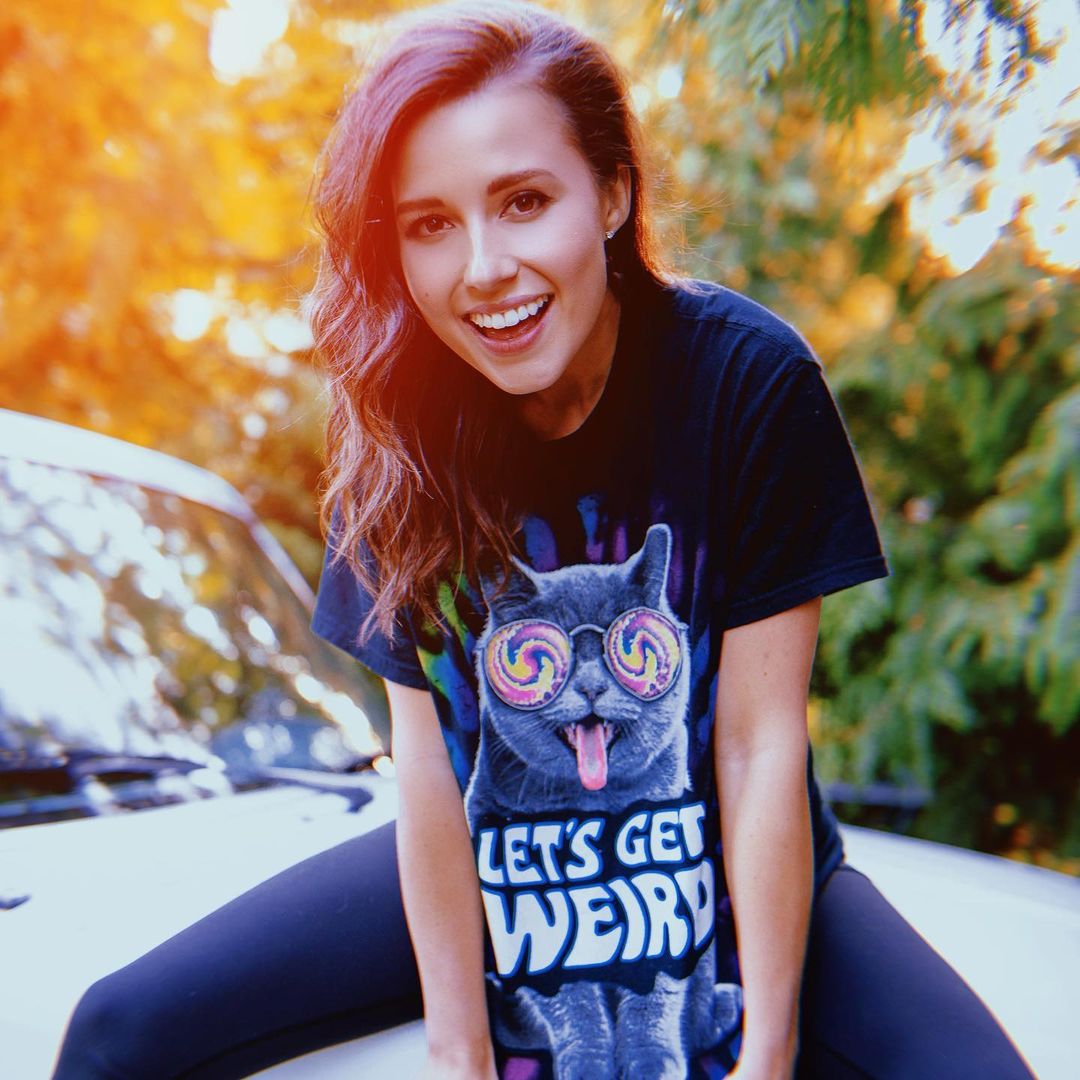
(591, 745)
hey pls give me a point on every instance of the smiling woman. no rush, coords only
(581, 518)
(504, 257)
(469, 178)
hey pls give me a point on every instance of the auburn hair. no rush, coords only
(421, 449)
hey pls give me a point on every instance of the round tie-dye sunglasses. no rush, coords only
(528, 662)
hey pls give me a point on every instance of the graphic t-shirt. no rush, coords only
(713, 485)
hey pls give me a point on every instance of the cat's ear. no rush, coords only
(650, 569)
(521, 587)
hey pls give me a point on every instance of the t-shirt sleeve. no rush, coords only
(341, 605)
(799, 520)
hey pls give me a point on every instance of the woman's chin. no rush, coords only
(518, 384)
(525, 389)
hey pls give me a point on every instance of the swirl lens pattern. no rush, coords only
(527, 662)
(643, 652)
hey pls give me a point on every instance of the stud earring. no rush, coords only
(611, 233)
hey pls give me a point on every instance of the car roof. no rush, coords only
(50, 442)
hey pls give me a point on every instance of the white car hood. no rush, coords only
(102, 891)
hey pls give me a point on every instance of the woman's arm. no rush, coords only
(761, 747)
(440, 891)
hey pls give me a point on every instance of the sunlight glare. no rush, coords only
(1055, 216)
(192, 311)
(1016, 122)
(287, 332)
(242, 32)
(244, 339)
(669, 82)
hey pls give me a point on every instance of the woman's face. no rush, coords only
(501, 228)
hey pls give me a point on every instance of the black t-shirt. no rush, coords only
(713, 485)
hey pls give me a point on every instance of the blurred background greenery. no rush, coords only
(896, 177)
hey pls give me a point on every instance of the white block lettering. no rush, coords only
(593, 947)
(542, 929)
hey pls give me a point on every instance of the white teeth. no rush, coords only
(510, 317)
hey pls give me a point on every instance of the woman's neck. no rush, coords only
(563, 407)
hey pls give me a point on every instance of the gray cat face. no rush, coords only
(580, 718)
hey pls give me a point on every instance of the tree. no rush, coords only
(142, 176)
(960, 390)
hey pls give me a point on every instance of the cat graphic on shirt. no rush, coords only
(594, 746)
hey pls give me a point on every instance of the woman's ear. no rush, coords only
(616, 200)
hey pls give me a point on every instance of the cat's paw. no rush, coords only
(653, 1063)
(580, 1063)
(727, 1009)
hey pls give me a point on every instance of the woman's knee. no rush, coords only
(878, 1000)
(113, 1034)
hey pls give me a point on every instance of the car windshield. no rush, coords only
(136, 622)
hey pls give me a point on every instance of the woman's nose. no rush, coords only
(490, 264)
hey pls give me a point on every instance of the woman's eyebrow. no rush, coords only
(500, 183)
(418, 204)
(523, 176)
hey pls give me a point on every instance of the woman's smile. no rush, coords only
(501, 228)
(512, 328)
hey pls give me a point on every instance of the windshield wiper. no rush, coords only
(59, 777)
(37, 787)
(78, 765)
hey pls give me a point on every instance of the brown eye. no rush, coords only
(431, 225)
(528, 202)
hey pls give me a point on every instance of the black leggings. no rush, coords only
(320, 954)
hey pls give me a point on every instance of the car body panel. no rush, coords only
(103, 891)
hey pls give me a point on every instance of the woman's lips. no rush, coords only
(513, 339)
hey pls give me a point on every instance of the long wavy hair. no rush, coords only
(422, 450)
